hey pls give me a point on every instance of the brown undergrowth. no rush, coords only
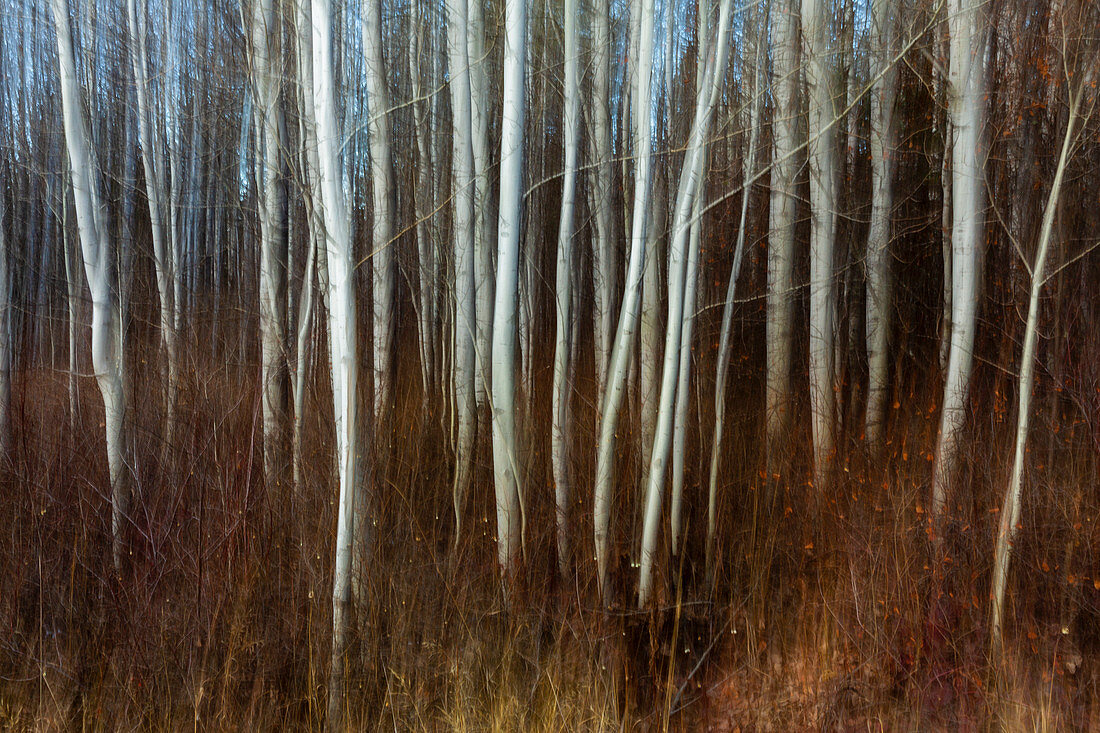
(820, 620)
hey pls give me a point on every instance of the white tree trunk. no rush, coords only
(722, 369)
(883, 158)
(163, 259)
(966, 106)
(561, 429)
(463, 189)
(1010, 508)
(7, 344)
(107, 359)
(267, 72)
(628, 314)
(822, 159)
(384, 210)
(343, 348)
(603, 265)
(315, 235)
(691, 178)
(422, 207)
(484, 220)
(784, 202)
(508, 481)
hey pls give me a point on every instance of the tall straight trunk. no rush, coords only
(601, 203)
(314, 230)
(883, 157)
(784, 202)
(153, 165)
(940, 85)
(1010, 508)
(107, 356)
(507, 480)
(329, 192)
(484, 220)
(462, 184)
(267, 73)
(73, 265)
(7, 343)
(384, 211)
(561, 429)
(683, 388)
(722, 367)
(822, 158)
(691, 179)
(628, 314)
(422, 211)
(966, 108)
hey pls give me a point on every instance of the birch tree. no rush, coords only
(267, 72)
(107, 337)
(691, 177)
(1010, 507)
(966, 110)
(384, 205)
(628, 313)
(883, 156)
(507, 479)
(462, 182)
(343, 324)
(722, 367)
(822, 159)
(780, 303)
(563, 293)
(153, 165)
(603, 266)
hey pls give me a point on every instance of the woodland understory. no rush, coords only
(549, 366)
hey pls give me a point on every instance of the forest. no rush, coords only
(549, 366)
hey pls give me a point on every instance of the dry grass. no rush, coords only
(821, 621)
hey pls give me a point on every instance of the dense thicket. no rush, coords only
(365, 361)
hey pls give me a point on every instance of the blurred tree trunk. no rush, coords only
(508, 482)
(1010, 508)
(267, 72)
(784, 202)
(107, 353)
(722, 368)
(883, 163)
(823, 168)
(628, 314)
(691, 179)
(463, 190)
(561, 429)
(966, 109)
(343, 323)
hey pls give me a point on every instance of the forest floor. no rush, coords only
(222, 619)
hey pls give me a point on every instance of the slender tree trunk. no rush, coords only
(1010, 508)
(966, 109)
(691, 178)
(601, 202)
(273, 239)
(107, 359)
(822, 157)
(484, 219)
(722, 368)
(329, 192)
(163, 261)
(384, 209)
(561, 429)
(628, 314)
(883, 156)
(463, 187)
(784, 201)
(508, 482)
